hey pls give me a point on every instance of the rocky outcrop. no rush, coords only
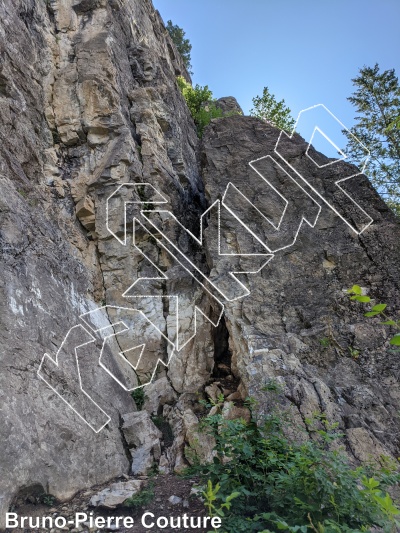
(95, 133)
(229, 106)
(143, 440)
(298, 328)
(88, 101)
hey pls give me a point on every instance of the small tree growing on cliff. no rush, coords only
(183, 45)
(269, 109)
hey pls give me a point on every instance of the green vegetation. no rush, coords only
(281, 485)
(200, 103)
(182, 44)
(142, 498)
(139, 397)
(377, 102)
(47, 499)
(355, 354)
(23, 193)
(210, 499)
(267, 108)
(325, 342)
(356, 293)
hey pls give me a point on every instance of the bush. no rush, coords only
(48, 499)
(201, 104)
(287, 486)
(278, 114)
(205, 115)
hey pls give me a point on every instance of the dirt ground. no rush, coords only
(164, 486)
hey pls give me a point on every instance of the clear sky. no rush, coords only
(305, 51)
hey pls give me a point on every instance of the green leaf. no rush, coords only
(389, 323)
(232, 496)
(387, 504)
(379, 307)
(372, 313)
(356, 289)
(396, 340)
(282, 525)
(362, 299)
(370, 483)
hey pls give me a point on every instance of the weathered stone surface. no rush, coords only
(175, 500)
(234, 396)
(45, 285)
(116, 494)
(231, 412)
(157, 394)
(299, 299)
(163, 465)
(143, 440)
(200, 445)
(365, 446)
(88, 101)
(229, 105)
(213, 391)
(175, 453)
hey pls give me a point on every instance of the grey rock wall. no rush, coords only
(93, 121)
(88, 101)
(299, 298)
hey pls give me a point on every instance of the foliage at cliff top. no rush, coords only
(377, 102)
(200, 103)
(266, 107)
(183, 45)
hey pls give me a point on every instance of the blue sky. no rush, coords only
(305, 51)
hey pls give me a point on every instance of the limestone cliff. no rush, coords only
(92, 123)
(88, 100)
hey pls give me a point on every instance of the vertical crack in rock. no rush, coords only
(222, 353)
(124, 441)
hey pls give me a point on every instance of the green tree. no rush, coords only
(276, 113)
(377, 102)
(183, 45)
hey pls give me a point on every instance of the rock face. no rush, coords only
(143, 440)
(95, 134)
(298, 327)
(88, 101)
(229, 105)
